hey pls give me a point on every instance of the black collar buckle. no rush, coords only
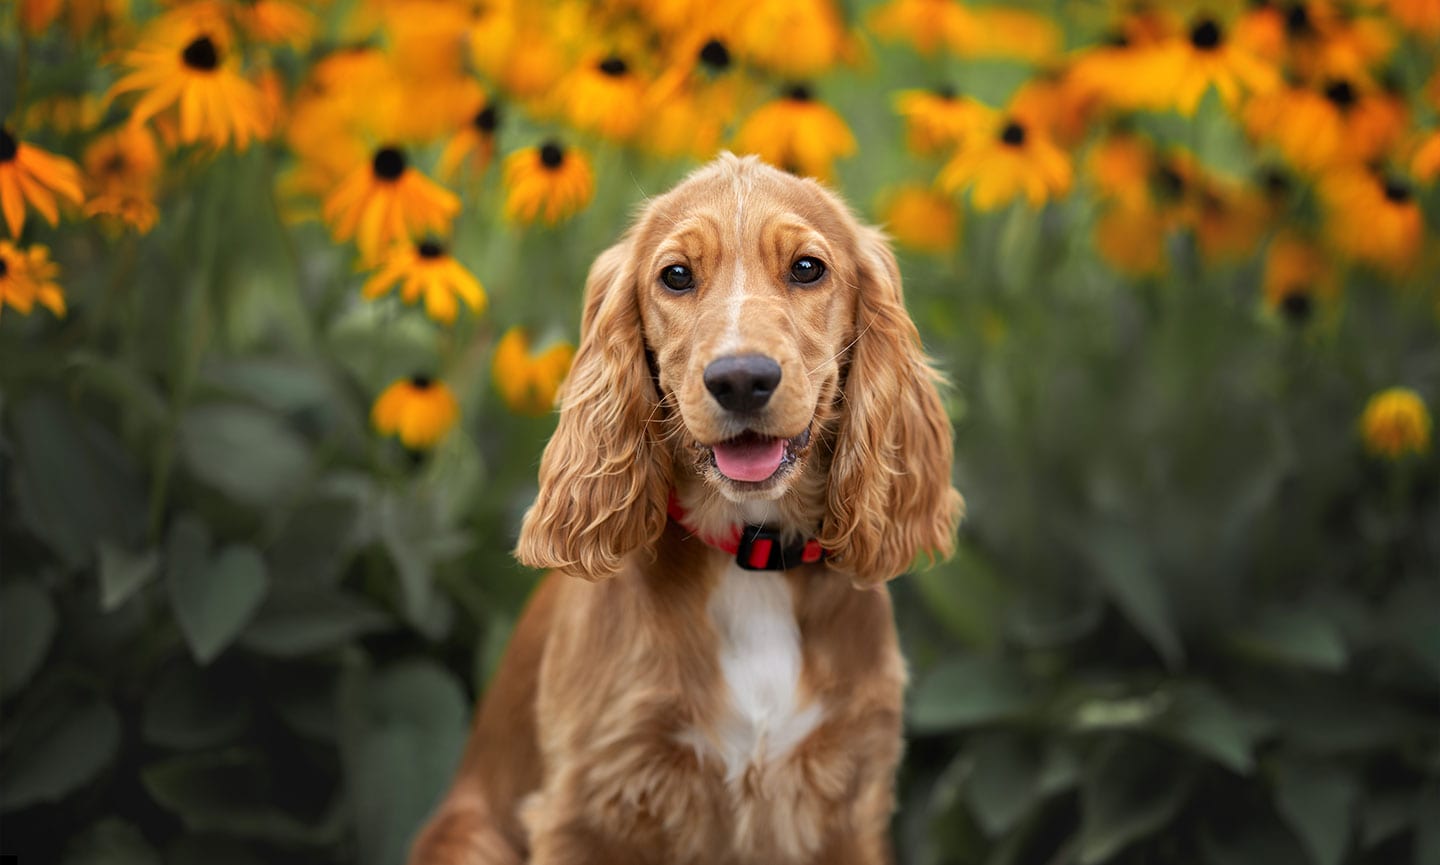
(763, 549)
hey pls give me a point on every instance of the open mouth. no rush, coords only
(753, 458)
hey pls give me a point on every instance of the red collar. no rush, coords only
(755, 548)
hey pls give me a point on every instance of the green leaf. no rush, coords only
(111, 842)
(302, 620)
(185, 709)
(968, 691)
(1132, 789)
(1119, 559)
(245, 452)
(1004, 780)
(1319, 804)
(404, 731)
(1427, 830)
(214, 602)
(27, 626)
(1257, 840)
(1297, 637)
(212, 850)
(60, 748)
(75, 485)
(230, 793)
(966, 595)
(123, 573)
(1209, 724)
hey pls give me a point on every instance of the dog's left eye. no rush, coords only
(677, 277)
(806, 270)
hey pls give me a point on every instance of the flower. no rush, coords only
(1396, 423)
(920, 218)
(1373, 218)
(796, 133)
(939, 120)
(1425, 164)
(1131, 237)
(473, 144)
(427, 269)
(1316, 128)
(548, 182)
(766, 34)
(1297, 275)
(971, 32)
(1186, 67)
(605, 97)
(1421, 16)
(29, 174)
(122, 168)
(528, 381)
(27, 277)
(193, 73)
(1016, 160)
(418, 409)
(384, 201)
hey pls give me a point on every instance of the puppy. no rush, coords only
(750, 445)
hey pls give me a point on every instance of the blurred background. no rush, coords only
(286, 290)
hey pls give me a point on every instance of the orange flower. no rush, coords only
(1373, 218)
(764, 33)
(427, 270)
(605, 97)
(384, 201)
(29, 174)
(939, 120)
(527, 380)
(796, 133)
(547, 182)
(1297, 276)
(920, 218)
(419, 410)
(1013, 162)
(1425, 164)
(27, 277)
(1186, 68)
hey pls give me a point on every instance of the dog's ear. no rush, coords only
(890, 495)
(603, 480)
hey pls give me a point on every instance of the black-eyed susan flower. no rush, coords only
(1013, 161)
(1338, 121)
(29, 175)
(549, 183)
(605, 97)
(193, 72)
(1372, 217)
(1121, 165)
(1130, 237)
(797, 133)
(1425, 163)
(1396, 424)
(691, 103)
(473, 145)
(385, 201)
(1228, 219)
(928, 25)
(1186, 68)
(1418, 16)
(528, 380)
(427, 270)
(419, 410)
(795, 38)
(920, 218)
(938, 120)
(27, 277)
(1327, 41)
(122, 168)
(1298, 277)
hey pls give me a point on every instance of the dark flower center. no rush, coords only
(430, 249)
(1013, 134)
(551, 155)
(421, 382)
(1117, 39)
(1170, 181)
(4, 268)
(1276, 184)
(8, 145)
(1297, 306)
(201, 55)
(1398, 191)
(1205, 35)
(613, 66)
(1297, 21)
(1340, 93)
(799, 93)
(715, 55)
(487, 119)
(946, 91)
(389, 163)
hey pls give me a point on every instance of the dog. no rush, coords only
(751, 443)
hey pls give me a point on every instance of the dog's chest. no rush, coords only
(759, 653)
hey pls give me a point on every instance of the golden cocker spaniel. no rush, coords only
(750, 445)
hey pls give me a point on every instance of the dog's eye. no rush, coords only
(677, 277)
(806, 270)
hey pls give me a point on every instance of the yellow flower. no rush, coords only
(385, 201)
(605, 97)
(1425, 164)
(1228, 219)
(1421, 16)
(1297, 275)
(276, 21)
(1326, 41)
(547, 182)
(1373, 218)
(765, 33)
(796, 133)
(427, 270)
(1341, 122)
(1396, 423)
(1122, 165)
(473, 145)
(920, 218)
(1187, 67)
(691, 103)
(192, 71)
(122, 168)
(1003, 166)
(992, 31)
(939, 120)
(418, 409)
(1131, 237)
(529, 381)
(27, 277)
(29, 174)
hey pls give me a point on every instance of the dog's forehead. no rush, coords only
(746, 194)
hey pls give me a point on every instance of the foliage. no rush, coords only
(1194, 616)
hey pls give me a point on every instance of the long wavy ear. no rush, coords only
(890, 496)
(603, 478)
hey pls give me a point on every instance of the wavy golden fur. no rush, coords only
(669, 707)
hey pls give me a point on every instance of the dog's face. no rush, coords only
(745, 285)
(749, 330)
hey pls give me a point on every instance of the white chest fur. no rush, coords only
(759, 654)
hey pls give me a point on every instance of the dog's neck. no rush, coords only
(797, 514)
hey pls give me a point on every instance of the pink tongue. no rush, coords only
(749, 459)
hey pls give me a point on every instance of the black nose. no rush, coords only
(742, 382)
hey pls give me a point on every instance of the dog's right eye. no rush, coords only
(677, 277)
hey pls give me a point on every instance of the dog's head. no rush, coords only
(746, 342)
